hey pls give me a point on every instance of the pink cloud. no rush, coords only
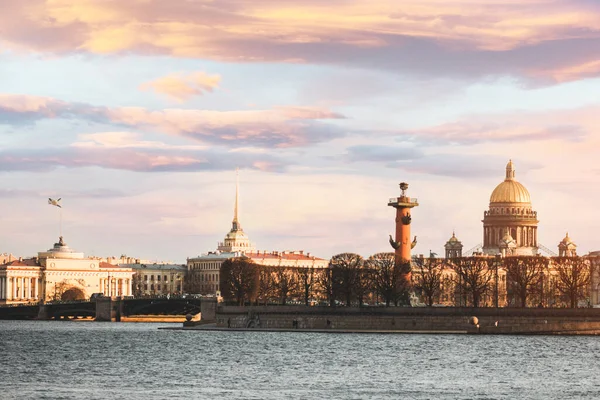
(182, 87)
(145, 157)
(539, 39)
(575, 125)
(277, 127)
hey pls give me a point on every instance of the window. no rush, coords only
(158, 278)
(146, 287)
(151, 277)
(151, 287)
(145, 277)
(165, 277)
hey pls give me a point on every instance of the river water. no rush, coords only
(90, 360)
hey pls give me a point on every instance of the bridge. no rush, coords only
(104, 308)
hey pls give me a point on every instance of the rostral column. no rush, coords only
(402, 244)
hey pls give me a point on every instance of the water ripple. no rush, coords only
(85, 360)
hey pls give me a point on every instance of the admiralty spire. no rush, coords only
(236, 239)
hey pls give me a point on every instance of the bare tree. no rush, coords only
(306, 278)
(59, 289)
(428, 278)
(324, 280)
(346, 269)
(363, 284)
(573, 277)
(523, 274)
(239, 280)
(387, 279)
(473, 276)
(266, 287)
(284, 283)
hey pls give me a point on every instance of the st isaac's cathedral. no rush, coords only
(510, 225)
(510, 228)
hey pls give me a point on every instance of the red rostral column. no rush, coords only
(402, 244)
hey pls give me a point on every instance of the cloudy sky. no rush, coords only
(136, 113)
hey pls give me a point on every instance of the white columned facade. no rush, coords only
(2, 288)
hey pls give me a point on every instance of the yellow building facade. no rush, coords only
(61, 274)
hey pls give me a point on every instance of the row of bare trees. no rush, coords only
(520, 281)
(466, 281)
(348, 280)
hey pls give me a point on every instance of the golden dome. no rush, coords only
(453, 239)
(567, 240)
(510, 191)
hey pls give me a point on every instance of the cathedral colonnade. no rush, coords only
(525, 236)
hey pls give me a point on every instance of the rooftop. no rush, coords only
(155, 266)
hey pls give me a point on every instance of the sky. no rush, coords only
(136, 114)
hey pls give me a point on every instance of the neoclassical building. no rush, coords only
(61, 273)
(204, 270)
(155, 279)
(510, 224)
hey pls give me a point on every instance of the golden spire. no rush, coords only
(236, 223)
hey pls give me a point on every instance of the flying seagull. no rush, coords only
(54, 202)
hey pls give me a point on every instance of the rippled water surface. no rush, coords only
(87, 360)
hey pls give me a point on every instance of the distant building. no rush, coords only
(6, 258)
(61, 273)
(124, 259)
(203, 271)
(453, 247)
(566, 247)
(157, 279)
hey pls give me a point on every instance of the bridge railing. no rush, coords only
(35, 303)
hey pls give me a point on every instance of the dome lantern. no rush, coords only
(510, 171)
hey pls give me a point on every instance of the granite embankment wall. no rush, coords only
(414, 319)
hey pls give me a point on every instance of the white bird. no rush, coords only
(54, 202)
